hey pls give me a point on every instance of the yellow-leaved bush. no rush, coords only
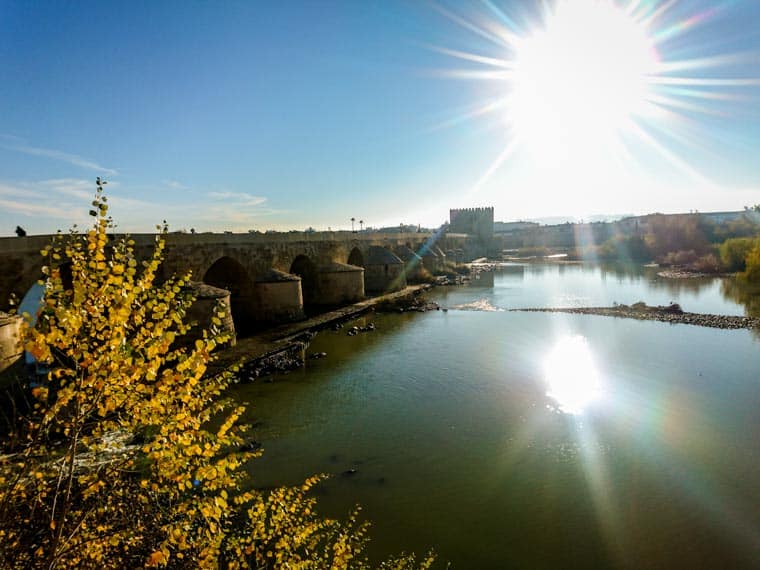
(130, 455)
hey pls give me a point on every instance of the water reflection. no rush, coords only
(483, 279)
(692, 285)
(743, 294)
(571, 375)
(576, 284)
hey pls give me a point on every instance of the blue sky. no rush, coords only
(240, 115)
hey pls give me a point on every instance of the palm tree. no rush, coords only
(352, 224)
(361, 225)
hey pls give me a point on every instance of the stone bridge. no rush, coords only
(271, 277)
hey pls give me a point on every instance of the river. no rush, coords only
(533, 440)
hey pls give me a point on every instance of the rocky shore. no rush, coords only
(412, 303)
(668, 314)
(683, 273)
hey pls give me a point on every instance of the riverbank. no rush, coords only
(670, 314)
(284, 347)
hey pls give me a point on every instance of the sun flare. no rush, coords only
(580, 79)
(571, 375)
(602, 96)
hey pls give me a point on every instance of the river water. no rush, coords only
(533, 440)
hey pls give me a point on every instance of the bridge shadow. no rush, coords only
(356, 257)
(307, 271)
(226, 273)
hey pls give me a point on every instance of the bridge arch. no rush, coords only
(228, 273)
(356, 257)
(306, 269)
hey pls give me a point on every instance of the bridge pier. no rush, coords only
(338, 284)
(202, 311)
(412, 262)
(279, 297)
(383, 271)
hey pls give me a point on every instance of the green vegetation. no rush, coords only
(688, 241)
(130, 456)
(625, 248)
(734, 252)
(751, 273)
(671, 234)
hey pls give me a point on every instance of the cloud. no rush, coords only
(75, 187)
(240, 198)
(57, 202)
(176, 185)
(223, 210)
(34, 209)
(19, 191)
(27, 201)
(65, 199)
(19, 145)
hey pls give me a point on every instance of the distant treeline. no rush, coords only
(690, 241)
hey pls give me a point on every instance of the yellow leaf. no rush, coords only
(156, 558)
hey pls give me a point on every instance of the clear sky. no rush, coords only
(283, 115)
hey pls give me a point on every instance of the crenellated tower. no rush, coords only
(473, 221)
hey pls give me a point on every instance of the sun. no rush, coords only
(579, 79)
(596, 98)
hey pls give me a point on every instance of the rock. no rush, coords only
(349, 472)
(673, 308)
(317, 355)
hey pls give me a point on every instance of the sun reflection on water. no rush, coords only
(571, 375)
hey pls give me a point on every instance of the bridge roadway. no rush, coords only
(272, 278)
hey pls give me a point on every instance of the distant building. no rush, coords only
(722, 217)
(511, 227)
(403, 228)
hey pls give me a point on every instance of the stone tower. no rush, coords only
(473, 221)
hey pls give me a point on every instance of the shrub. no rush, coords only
(685, 232)
(623, 248)
(679, 258)
(733, 252)
(751, 273)
(707, 264)
(423, 275)
(130, 457)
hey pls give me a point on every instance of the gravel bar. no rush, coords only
(659, 314)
